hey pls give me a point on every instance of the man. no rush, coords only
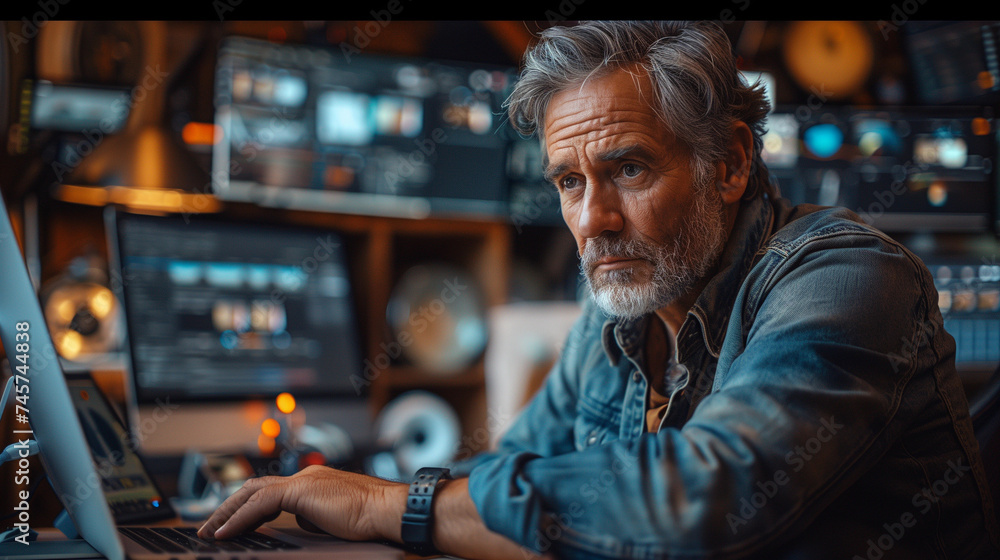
(750, 379)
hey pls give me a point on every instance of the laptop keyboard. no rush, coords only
(185, 539)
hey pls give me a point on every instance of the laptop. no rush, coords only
(68, 462)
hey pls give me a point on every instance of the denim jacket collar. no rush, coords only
(711, 310)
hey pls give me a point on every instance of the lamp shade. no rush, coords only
(147, 157)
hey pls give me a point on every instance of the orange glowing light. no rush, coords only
(313, 458)
(277, 35)
(285, 402)
(198, 133)
(69, 343)
(101, 301)
(153, 200)
(980, 126)
(265, 444)
(985, 79)
(270, 428)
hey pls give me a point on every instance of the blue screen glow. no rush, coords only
(824, 140)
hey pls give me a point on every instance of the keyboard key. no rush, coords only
(184, 539)
(269, 542)
(150, 540)
(180, 539)
(228, 546)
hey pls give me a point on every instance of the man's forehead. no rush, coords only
(606, 109)
(623, 94)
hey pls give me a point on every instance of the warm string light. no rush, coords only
(285, 403)
(271, 428)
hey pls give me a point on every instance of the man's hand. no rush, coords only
(348, 505)
(359, 507)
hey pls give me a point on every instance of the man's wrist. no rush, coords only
(417, 529)
(384, 517)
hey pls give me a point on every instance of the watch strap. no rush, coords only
(417, 528)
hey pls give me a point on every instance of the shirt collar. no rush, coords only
(623, 335)
(712, 308)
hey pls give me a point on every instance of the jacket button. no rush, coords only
(592, 439)
(636, 376)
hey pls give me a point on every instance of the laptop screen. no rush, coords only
(130, 492)
(224, 310)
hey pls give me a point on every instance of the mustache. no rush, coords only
(618, 246)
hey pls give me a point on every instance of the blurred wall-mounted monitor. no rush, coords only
(77, 108)
(321, 129)
(903, 169)
(954, 61)
(74, 117)
(925, 169)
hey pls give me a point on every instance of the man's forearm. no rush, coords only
(458, 529)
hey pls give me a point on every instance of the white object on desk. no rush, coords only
(522, 336)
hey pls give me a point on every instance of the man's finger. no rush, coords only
(232, 504)
(263, 503)
(222, 513)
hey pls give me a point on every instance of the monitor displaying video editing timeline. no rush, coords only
(322, 129)
(217, 309)
(223, 315)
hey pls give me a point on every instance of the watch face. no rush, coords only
(833, 57)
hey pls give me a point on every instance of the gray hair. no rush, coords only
(699, 93)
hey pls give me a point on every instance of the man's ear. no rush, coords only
(733, 173)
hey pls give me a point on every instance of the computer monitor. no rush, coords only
(927, 169)
(902, 169)
(221, 316)
(356, 132)
(954, 61)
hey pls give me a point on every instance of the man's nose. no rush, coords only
(601, 211)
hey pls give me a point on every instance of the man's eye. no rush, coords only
(567, 183)
(631, 170)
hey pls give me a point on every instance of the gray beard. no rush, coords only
(677, 266)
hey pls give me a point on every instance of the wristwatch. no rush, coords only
(417, 529)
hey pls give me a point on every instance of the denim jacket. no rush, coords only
(818, 415)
